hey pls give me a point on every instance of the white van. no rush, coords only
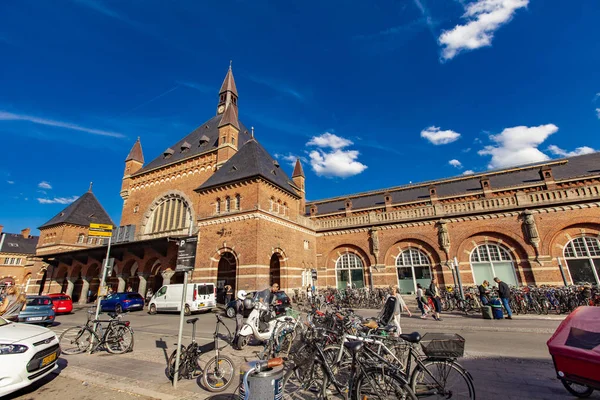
(199, 297)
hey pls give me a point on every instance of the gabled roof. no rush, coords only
(298, 171)
(83, 211)
(229, 83)
(136, 153)
(519, 176)
(203, 139)
(250, 161)
(230, 117)
(17, 244)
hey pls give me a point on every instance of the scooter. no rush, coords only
(250, 329)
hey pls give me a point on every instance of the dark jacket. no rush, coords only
(503, 290)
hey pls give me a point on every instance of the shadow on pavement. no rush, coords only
(161, 344)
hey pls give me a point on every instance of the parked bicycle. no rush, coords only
(116, 337)
(217, 374)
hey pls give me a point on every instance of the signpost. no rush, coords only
(458, 278)
(314, 274)
(186, 259)
(101, 230)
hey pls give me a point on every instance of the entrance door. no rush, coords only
(226, 275)
(275, 270)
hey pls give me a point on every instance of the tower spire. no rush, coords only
(228, 94)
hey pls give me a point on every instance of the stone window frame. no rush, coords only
(80, 238)
(399, 263)
(356, 264)
(227, 204)
(585, 247)
(503, 255)
(175, 217)
(218, 206)
(238, 202)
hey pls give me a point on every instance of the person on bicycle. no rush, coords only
(400, 305)
(434, 293)
(483, 292)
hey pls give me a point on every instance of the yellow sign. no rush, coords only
(101, 226)
(99, 233)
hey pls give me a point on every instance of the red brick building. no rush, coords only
(534, 224)
(18, 263)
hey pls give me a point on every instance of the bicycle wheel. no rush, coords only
(119, 339)
(171, 364)
(218, 374)
(304, 385)
(382, 383)
(443, 379)
(75, 340)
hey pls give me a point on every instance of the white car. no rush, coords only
(27, 353)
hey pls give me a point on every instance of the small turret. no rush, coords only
(133, 163)
(299, 178)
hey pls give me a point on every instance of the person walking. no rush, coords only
(504, 292)
(421, 301)
(400, 305)
(434, 293)
(309, 294)
(228, 294)
(483, 293)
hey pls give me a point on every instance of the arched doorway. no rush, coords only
(226, 275)
(76, 295)
(275, 270)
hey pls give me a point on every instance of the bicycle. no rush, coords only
(117, 338)
(217, 374)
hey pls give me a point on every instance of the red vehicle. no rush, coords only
(575, 350)
(62, 303)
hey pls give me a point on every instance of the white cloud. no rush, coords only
(437, 136)
(468, 172)
(598, 112)
(329, 140)
(10, 182)
(290, 158)
(579, 151)
(455, 163)
(58, 200)
(483, 17)
(334, 161)
(518, 145)
(8, 116)
(44, 185)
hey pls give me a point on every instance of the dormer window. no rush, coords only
(185, 146)
(204, 139)
(168, 153)
(275, 163)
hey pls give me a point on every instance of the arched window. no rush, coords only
(491, 260)
(583, 259)
(171, 214)
(227, 204)
(80, 238)
(349, 271)
(413, 267)
(218, 206)
(237, 201)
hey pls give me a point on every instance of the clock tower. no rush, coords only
(228, 95)
(229, 126)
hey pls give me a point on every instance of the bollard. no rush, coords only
(264, 385)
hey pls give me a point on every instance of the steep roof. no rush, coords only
(136, 153)
(17, 244)
(250, 161)
(83, 211)
(298, 171)
(204, 138)
(520, 176)
(229, 83)
(230, 117)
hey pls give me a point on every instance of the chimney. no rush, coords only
(25, 232)
(486, 186)
(1, 227)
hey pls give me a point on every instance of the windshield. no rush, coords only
(39, 301)
(263, 295)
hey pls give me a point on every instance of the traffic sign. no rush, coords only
(314, 274)
(100, 230)
(186, 254)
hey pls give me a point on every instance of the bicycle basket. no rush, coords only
(290, 312)
(443, 345)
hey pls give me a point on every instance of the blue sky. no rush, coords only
(370, 94)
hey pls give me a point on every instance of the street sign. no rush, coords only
(314, 274)
(186, 254)
(100, 230)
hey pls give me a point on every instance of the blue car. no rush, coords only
(38, 310)
(119, 302)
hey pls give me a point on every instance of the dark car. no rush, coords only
(38, 310)
(125, 301)
(282, 301)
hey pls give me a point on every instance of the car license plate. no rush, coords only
(201, 304)
(48, 359)
(35, 318)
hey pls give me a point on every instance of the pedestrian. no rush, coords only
(421, 301)
(129, 289)
(433, 292)
(348, 285)
(149, 294)
(483, 293)
(13, 303)
(504, 293)
(239, 313)
(400, 305)
(228, 294)
(309, 294)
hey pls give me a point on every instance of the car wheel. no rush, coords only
(230, 312)
(186, 310)
(118, 309)
(152, 309)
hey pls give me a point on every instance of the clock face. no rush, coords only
(221, 109)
